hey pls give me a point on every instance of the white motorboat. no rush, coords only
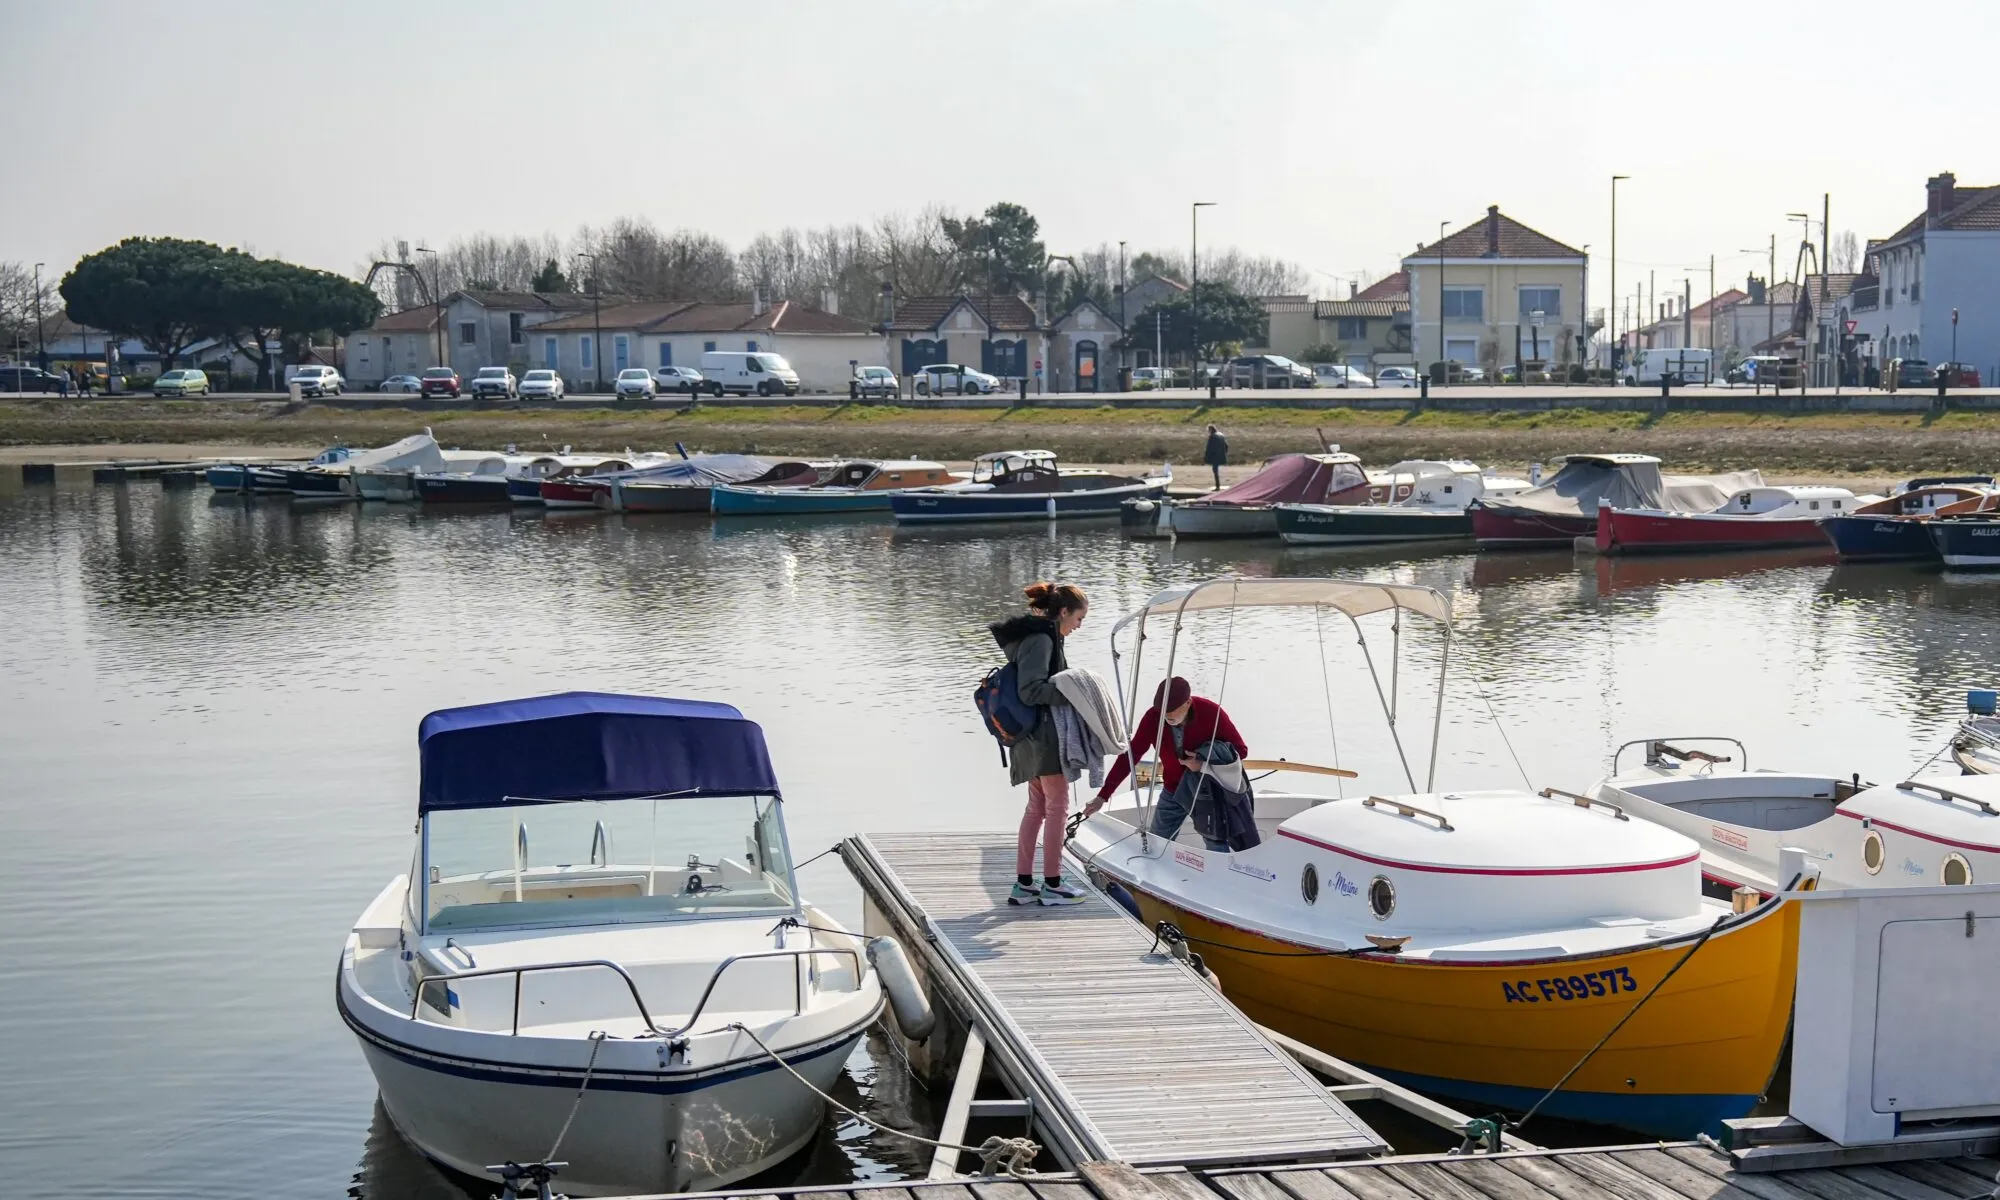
(1927, 830)
(602, 934)
(1432, 508)
(1489, 945)
(1976, 749)
(397, 485)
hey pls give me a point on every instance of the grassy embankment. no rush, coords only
(1843, 443)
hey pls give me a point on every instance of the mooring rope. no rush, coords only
(596, 1044)
(1016, 1156)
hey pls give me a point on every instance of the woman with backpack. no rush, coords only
(1033, 642)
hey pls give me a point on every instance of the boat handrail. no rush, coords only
(645, 1014)
(1657, 747)
(1946, 793)
(1408, 810)
(1583, 801)
(471, 963)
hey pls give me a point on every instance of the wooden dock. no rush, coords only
(1123, 1052)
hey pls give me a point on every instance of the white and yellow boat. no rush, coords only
(1474, 944)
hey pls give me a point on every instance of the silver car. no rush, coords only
(877, 381)
(542, 384)
(401, 383)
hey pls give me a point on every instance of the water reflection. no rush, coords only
(209, 709)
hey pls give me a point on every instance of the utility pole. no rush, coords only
(1827, 341)
(1652, 300)
(1611, 313)
(1687, 313)
(1771, 295)
(437, 301)
(1711, 315)
(41, 347)
(1194, 283)
(1123, 351)
(596, 322)
(1441, 229)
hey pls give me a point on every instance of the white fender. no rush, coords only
(899, 982)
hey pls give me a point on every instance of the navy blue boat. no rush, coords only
(1026, 485)
(1967, 542)
(1898, 527)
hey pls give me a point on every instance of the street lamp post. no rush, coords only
(596, 321)
(1441, 229)
(1194, 280)
(437, 301)
(1123, 333)
(41, 347)
(1611, 311)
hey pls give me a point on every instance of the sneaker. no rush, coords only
(1061, 893)
(1024, 894)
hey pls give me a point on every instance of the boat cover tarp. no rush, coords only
(700, 470)
(418, 452)
(1584, 484)
(588, 746)
(1292, 479)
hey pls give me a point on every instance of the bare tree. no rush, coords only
(1845, 255)
(17, 304)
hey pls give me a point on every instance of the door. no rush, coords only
(621, 351)
(1086, 366)
(1462, 350)
(549, 353)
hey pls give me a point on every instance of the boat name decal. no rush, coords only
(1344, 885)
(1189, 858)
(1728, 837)
(1254, 872)
(1570, 987)
(1911, 867)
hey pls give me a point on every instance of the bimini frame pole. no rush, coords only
(1388, 710)
(1437, 718)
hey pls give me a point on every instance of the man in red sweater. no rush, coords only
(1191, 721)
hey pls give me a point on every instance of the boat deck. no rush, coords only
(1147, 1062)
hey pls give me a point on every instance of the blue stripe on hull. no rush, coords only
(1879, 537)
(1674, 1117)
(990, 507)
(804, 504)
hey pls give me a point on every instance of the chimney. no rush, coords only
(1353, 289)
(1941, 196)
(756, 302)
(829, 301)
(1493, 231)
(1755, 287)
(888, 303)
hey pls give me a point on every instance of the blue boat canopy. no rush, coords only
(588, 746)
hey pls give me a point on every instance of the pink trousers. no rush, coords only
(1048, 808)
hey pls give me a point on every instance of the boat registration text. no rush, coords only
(1570, 987)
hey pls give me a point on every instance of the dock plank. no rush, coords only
(1430, 1180)
(1546, 1176)
(1311, 1185)
(1248, 1186)
(1830, 1183)
(1048, 1190)
(1368, 1182)
(1618, 1179)
(1958, 1176)
(1148, 1060)
(1687, 1180)
(1001, 1189)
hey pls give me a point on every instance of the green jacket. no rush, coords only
(1032, 644)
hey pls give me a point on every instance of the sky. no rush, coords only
(1334, 134)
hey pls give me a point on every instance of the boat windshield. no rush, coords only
(606, 862)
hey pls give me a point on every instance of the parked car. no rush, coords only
(494, 382)
(317, 381)
(181, 383)
(1395, 377)
(1690, 364)
(878, 381)
(1911, 373)
(440, 381)
(23, 378)
(1341, 375)
(400, 383)
(1757, 367)
(635, 381)
(946, 379)
(1266, 371)
(1958, 375)
(1148, 379)
(679, 379)
(744, 372)
(542, 384)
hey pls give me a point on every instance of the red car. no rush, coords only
(439, 381)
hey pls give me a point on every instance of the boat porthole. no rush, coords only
(1872, 855)
(1381, 897)
(1956, 872)
(1309, 884)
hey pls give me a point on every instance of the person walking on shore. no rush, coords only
(1033, 643)
(1216, 455)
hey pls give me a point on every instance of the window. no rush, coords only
(707, 347)
(666, 354)
(1354, 329)
(589, 352)
(549, 353)
(468, 333)
(514, 337)
(1545, 300)
(1465, 303)
(751, 345)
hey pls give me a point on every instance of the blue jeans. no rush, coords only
(1172, 812)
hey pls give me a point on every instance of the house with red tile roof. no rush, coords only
(825, 348)
(998, 334)
(1496, 292)
(1931, 290)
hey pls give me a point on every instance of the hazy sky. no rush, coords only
(1334, 134)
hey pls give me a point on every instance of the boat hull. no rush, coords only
(316, 485)
(1198, 520)
(524, 490)
(463, 489)
(1967, 544)
(942, 506)
(1702, 1050)
(1305, 525)
(656, 498)
(394, 487)
(1626, 531)
(771, 502)
(565, 493)
(1511, 527)
(636, 1131)
(1864, 539)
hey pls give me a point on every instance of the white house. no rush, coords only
(481, 329)
(586, 346)
(1944, 261)
(404, 343)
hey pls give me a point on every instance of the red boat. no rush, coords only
(1753, 518)
(1565, 508)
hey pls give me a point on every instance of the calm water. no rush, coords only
(207, 752)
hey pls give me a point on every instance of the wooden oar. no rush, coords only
(1280, 764)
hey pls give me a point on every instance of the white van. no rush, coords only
(1693, 364)
(760, 371)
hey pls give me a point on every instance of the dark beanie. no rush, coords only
(1172, 694)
